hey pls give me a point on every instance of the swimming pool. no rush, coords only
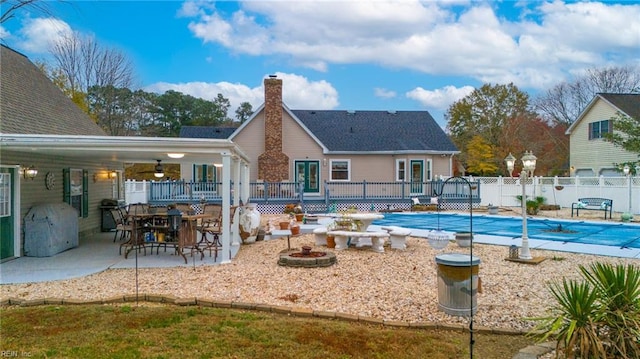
(568, 231)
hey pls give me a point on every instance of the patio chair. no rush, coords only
(137, 208)
(121, 224)
(184, 208)
(214, 227)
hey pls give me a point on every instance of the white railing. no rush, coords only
(504, 191)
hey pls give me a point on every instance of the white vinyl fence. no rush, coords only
(563, 191)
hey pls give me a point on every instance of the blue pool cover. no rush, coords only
(602, 233)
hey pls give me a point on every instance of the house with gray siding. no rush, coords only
(590, 154)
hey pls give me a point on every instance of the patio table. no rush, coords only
(148, 223)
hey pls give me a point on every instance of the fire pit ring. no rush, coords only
(306, 258)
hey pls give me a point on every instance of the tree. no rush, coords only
(222, 105)
(244, 112)
(565, 101)
(626, 134)
(480, 157)
(484, 112)
(11, 6)
(83, 63)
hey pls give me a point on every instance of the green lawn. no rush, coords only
(158, 331)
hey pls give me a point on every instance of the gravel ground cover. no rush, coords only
(394, 285)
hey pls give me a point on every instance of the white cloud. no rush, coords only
(298, 92)
(533, 48)
(384, 93)
(439, 99)
(37, 35)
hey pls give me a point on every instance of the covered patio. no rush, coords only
(123, 150)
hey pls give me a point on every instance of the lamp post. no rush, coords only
(626, 217)
(528, 166)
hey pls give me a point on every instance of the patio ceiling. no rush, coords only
(124, 149)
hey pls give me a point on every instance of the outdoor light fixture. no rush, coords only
(113, 174)
(159, 171)
(30, 172)
(528, 166)
(511, 161)
(175, 155)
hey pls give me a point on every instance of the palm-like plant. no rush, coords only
(596, 318)
(573, 320)
(619, 298)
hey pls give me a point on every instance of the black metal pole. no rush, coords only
(471, 340)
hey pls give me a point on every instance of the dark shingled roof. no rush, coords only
(206, 132)
(628, 103)
(31, 104)
(356, 131)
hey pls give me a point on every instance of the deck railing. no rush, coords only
(185, 191)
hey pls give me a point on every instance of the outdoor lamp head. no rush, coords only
(529, 161)
(510, 161)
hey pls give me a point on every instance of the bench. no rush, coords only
(593, 204)
(398, 236)
(342, 239)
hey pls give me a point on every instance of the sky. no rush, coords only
(344, 55)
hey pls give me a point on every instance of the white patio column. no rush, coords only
(244, 178)
(226, 205)
(235, 168)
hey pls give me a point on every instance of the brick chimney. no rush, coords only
(273, 164)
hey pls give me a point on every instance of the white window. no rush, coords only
(428, 170)
(5, 194)
(76, 184)
(340, 170)
(401, 170)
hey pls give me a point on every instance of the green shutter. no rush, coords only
(66, 185)
(85, 193)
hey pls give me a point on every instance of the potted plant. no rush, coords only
(492, 209)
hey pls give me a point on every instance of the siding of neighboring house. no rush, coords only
(595, 156)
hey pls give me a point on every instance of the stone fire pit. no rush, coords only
(306, 258)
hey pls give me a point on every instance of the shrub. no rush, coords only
(598, 317)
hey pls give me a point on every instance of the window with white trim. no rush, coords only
(599, 128)
(401, 170)
(5, 194)
(340, 170)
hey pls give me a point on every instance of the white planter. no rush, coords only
(249, 224)
(463, 239)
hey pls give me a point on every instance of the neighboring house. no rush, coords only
(590, 155)
(76, 161)
(310, 147)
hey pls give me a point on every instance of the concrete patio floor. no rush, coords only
(94, 255)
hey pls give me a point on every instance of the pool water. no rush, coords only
(601, 233)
